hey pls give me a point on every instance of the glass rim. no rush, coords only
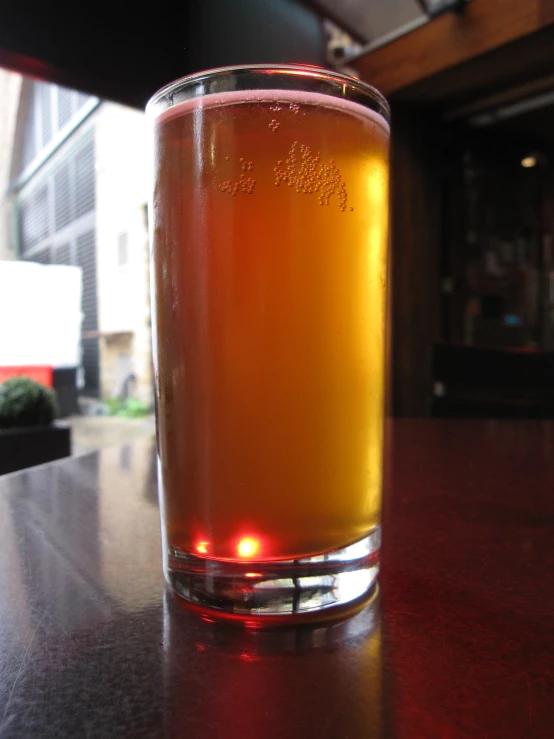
(340, 85)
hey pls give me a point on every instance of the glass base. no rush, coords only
(294, 587)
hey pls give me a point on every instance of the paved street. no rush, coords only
(98, 432)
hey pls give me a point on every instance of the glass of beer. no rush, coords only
(269, 262)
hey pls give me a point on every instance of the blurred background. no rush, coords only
(471, 86)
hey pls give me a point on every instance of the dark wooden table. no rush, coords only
(459, 642)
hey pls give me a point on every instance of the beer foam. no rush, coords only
(286, 97)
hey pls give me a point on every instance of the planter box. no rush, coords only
(26, 447)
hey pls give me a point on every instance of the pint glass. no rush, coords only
(269, 262)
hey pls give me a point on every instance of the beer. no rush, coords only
(269, 259)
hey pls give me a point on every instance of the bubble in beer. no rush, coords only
(274, 125)
(295, 108)
(243, 184)
(307, 174)
(275, 107)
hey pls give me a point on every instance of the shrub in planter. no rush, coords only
(28, 435)
(25, 402)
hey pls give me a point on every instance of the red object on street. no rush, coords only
(40, 373)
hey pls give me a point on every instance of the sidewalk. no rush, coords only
(98, 432)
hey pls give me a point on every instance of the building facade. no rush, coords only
(73, 178)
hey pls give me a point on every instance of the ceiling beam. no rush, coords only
(450, 40)
(324, 12)
(502, 98)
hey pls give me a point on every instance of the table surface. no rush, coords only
(458, 643)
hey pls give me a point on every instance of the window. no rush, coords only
(122, 249)
(33, 219)
(48, 110)
(64, 195)
(84, 179)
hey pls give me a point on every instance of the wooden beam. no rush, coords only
(451, 40)
(521, 62)
(499, 99)
(546, 11)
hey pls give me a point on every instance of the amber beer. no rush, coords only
(269, 255)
